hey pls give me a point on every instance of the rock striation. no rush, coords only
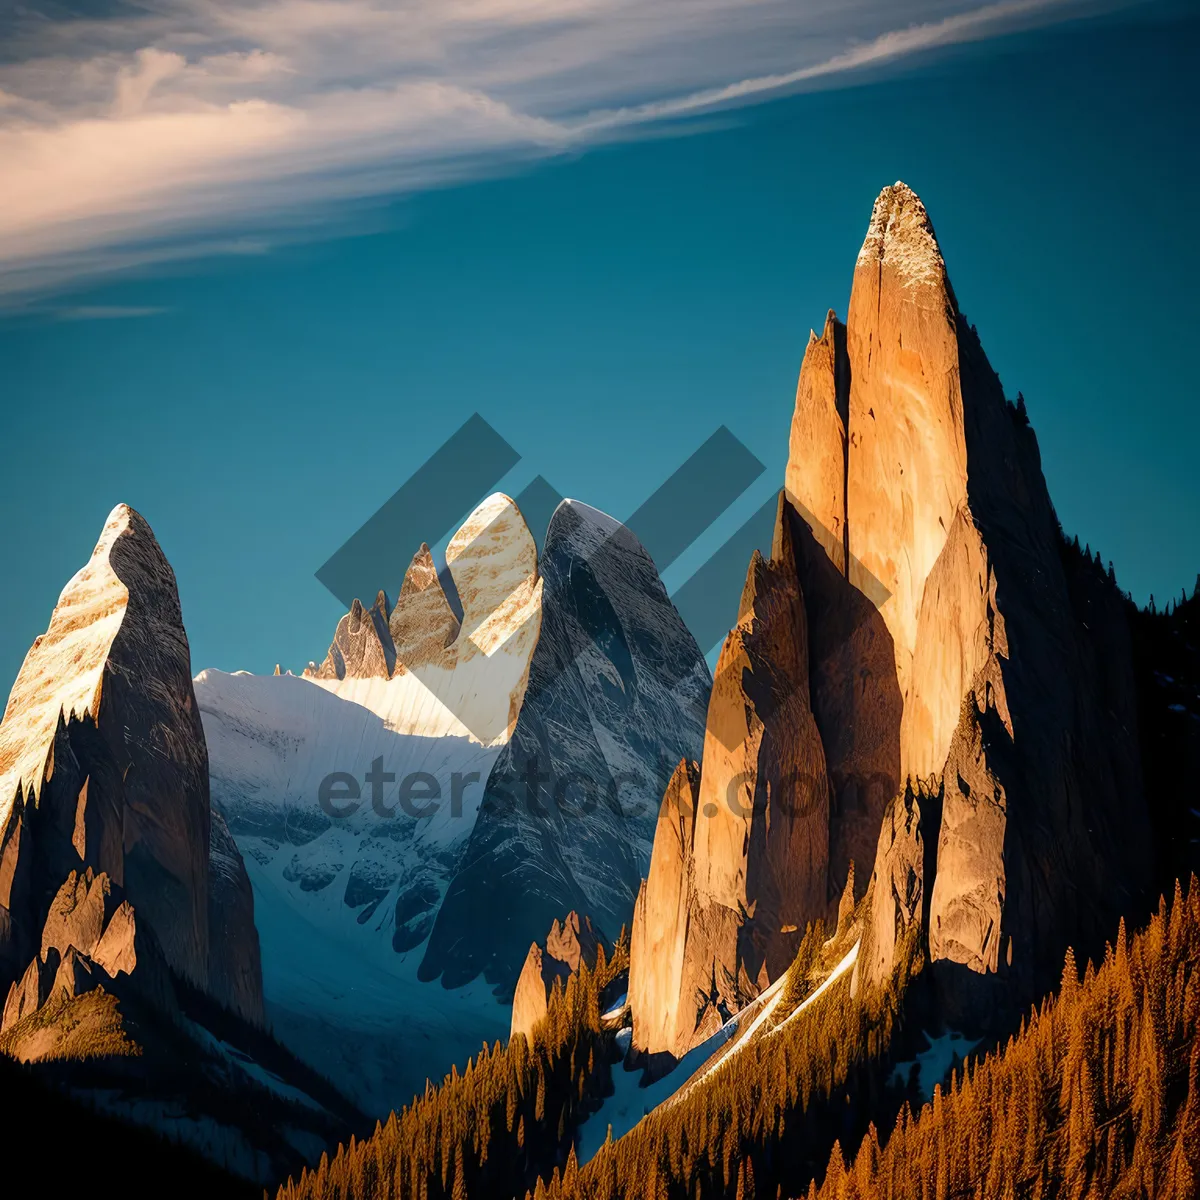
(104, 768)
(567, 945)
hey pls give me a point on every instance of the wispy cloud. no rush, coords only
(105, 312)
(126, 136)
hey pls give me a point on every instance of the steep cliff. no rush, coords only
(928, 647)
(740, 860)
(103, 765)
(1014, 693)
(616, 694)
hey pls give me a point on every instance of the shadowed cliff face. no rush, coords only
(740, 856)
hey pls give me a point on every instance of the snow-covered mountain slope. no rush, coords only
(355, 792)
(352, 791)
(638, 1092)
(299, 773)
(362, 1019)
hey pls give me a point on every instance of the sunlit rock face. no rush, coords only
(740, 860)
(855, 694)
(567, 945)
(664, 1013)
(816, 466)
(972, 698)
(1002, 678)
(897, 896)
(906, 472)
(761, 841)
(103, 763)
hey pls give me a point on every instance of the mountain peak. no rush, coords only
(901, 236)
(64, 669)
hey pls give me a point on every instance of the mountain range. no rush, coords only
(940, 753)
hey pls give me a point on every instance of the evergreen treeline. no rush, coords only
(493, 1129)
(1097, 1098)
(751, 1126)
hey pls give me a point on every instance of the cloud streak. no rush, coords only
(124, 138)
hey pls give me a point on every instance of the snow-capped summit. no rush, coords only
(421, 669)
(103, 767)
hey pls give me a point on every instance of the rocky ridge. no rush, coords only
(617, 689)
(554, 813)
(128, 925)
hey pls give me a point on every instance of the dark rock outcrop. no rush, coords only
(234, 963)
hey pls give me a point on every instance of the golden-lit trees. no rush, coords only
(496, 1127)
(1098, 1096)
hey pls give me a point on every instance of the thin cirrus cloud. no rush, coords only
(129, 136)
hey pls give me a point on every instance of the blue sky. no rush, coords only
(270, 373)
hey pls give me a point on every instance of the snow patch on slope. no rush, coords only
(64, 669)
(345, 891)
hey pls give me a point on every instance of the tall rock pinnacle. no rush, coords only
(103, 763)
(950, 532)
(970, 688)
(906, 474)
